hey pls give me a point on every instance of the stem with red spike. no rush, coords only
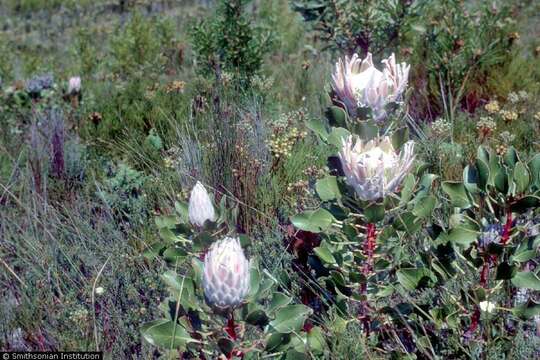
(507, 227)
(369, 249)
(231, 327)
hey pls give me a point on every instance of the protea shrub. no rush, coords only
(226, 274)
(357, 83)
(374, 168)
(200, 207)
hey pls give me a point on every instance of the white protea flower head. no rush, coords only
(200, 206)
(226, 274)
(74, 85)
(374, 168)
(357, 83)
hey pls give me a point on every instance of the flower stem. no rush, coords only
(231, 328)
(369, 249)
(507, 227)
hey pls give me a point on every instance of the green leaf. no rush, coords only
(523, 256)
(407, 222)
(327, 188)
(400, 137)
(501, 180)
(181, 208)
(174, 253)
(510, 157)
(168, 221)
(162, 333)
(527, 280)
(534, 166)
(407, 189)
(482, 169)
(336, 116)
(314, 221)
(424, 207)
(410, 278)
(181, 284)
(525, 203)
(316, 341)
(374, 213)
(275, 340)
(483, 154)
(462, 236)
(291, 318)
(470, 179)
(527, 311)
(521, 178)
(457, 193)
(367, 130)
(279, 300)
(254, 282)
(337, 136)
(225, 345)
(324, 253)
(296, 355)
(257, 317)
(319, 128)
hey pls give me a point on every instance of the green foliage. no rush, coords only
(138, 45)
(190, 323)
(459, 46)
(123, 193)
(360, 27)
(228, 43)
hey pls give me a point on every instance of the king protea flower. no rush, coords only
(357, 83)
(200, 206)
(373, 168)
(74, 85)
(226, 274)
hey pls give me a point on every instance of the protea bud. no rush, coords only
(374, 168)
(74, 85)
(226, 274)
(200, 206)
(357, 83)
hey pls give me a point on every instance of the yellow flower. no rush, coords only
(509, 116)
(492, 107)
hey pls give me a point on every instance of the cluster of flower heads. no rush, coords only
(226, 269)
(358, 83)
(39, 83)
(176, 86)
(441, 128)
(285, 134)
(485, 126)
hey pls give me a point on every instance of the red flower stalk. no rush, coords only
(230, 329)
(507, 227)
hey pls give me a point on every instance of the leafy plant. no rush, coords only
(361, 26)
(266, 323)
(228, 43)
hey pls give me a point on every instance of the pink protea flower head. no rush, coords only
(357, 83)
(226, 274)
(74, 85)
(200, 206)
(373, 168)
